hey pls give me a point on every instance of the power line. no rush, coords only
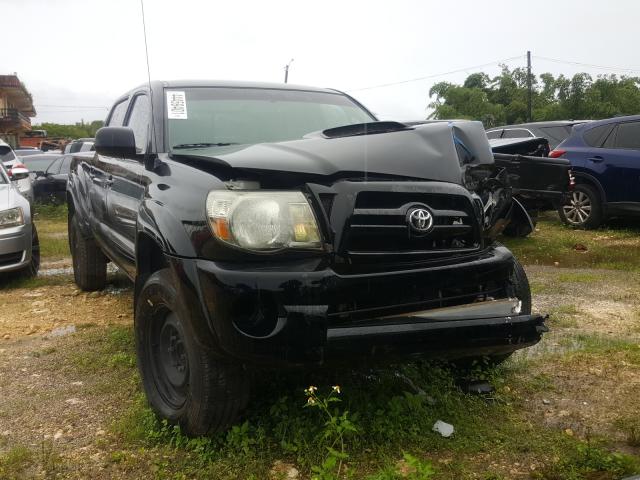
(438, 74)
(603, 67)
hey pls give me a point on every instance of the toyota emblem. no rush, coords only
(420, 220)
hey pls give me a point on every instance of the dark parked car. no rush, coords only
(555, 131)
(50, 184)
(277, 226)
(40, 162)
(605, 160)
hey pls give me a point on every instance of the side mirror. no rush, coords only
(39, 174)
(115, 142)
(18, 173)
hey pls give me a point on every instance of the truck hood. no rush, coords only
(435, 151)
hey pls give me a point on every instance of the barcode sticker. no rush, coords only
(176, 105)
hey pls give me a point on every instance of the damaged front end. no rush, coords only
(408, 264)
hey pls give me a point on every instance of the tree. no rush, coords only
(503, 99)
(78, 130)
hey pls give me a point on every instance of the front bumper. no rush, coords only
(15, 248)
(309, 314)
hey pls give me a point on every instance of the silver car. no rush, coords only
(10, 160)
(19, 245)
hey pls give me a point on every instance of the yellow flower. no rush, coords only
(336, 388)
(311, 390)
(311, 401)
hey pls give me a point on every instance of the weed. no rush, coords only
(15, 462)
(631, 428)
(589, 461)
(337, 427)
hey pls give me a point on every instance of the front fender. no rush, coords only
(156, 221)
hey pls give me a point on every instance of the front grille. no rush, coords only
(379, 226)
(10, 258)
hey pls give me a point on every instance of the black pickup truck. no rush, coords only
(271, 226)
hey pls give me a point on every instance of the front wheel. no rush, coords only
(185, 384)
(31, 270)
(582, 208)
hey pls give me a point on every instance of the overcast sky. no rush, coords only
(76, 56)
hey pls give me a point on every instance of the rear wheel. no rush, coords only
(582, 208)
(185, 384)
(89, 263)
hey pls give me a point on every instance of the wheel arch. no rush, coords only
(583, 177)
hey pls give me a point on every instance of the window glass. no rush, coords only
(494, 134)
(557, 134)
(66, 162)
(255, 115)
(6, 154)
(594, 137)
(54, 168)
(139, 122)
(39, 163)
(118, 113)
(628, 135)
(517, 133)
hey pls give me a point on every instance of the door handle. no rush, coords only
(596, 159)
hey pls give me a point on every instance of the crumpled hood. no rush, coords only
(431, 152)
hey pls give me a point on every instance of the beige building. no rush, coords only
(16, 108)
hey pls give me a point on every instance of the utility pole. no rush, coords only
(286, 71)
(529, 87)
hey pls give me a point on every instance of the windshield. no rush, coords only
(213, 116)
(6, 154)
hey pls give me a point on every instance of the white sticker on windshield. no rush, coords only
(176, 105)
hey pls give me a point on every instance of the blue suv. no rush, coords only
(605, 160)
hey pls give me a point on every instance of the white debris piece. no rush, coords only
(443, 428)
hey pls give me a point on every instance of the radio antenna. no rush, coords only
(146, 53)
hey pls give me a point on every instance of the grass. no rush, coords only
(51, 222)
(393, 421)
(554, 243)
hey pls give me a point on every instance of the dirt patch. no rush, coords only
(39, 310)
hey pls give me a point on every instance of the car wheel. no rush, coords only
(32, 269)
(582, 208)
(518, 287)
(184, 383)
(89, 263)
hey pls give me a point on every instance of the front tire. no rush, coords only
(184, 383)
(519, 288)
(89, 263)
(31, 270)
(582, 208)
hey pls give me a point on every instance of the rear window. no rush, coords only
(517, 133)
(556, 134)
(628, 136)
(39, 164)
(595, 137)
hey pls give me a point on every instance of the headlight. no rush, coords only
(263, 221)
(11, 218)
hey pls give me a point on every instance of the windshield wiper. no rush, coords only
(203, 145)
